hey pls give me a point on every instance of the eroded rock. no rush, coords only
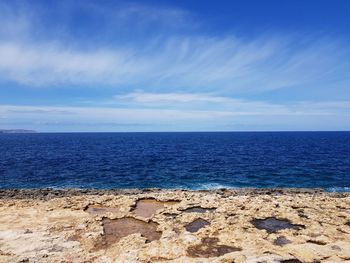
(209, 247)
(115, 229)
(52, 230)
(149, 206)
(100, 210)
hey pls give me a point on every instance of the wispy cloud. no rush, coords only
(226, 113)
(145, 98)
(164, 61)
(48, 117)
(211, 64)
(114, 20)
(164, 70)
(232, 106)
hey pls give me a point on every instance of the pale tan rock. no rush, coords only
(61, 229)
(341, 249)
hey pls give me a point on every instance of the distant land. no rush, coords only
(17, 131)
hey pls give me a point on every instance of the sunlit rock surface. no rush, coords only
(247, 225)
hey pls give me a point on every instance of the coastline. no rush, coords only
(169, 225)
(49, 193)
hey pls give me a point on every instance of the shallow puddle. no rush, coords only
(273, 225)
(115, 229)
(209, 247)
(198, 209)
(281, 241)
(148, 207)
(196, 225)
(294, 260)
(98, 210)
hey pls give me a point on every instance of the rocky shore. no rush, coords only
(154, 225)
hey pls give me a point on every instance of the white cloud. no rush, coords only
(188, 79)
(32, 21)
(229, 114)
(117, 114)
(164, 56)
(158, 107)
(224, 65)
(142, 97)
(51, 65)
(201, 101)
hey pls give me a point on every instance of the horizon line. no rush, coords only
(244, 131)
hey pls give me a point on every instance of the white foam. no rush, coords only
(338, 189)
(211, 186)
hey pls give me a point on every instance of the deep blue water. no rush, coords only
(176, 160)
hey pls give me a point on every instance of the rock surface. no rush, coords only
(104, 226)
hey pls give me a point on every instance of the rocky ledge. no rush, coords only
(249, 225)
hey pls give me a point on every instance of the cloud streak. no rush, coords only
(164, 71)
(224, 65)
(141, 109)
(163, 61)
(201, 101)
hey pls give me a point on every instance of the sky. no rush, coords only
(119, 66)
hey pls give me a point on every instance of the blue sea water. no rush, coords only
(176, 160)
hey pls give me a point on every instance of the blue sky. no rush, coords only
(175, 65)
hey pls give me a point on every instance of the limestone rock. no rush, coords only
(240, 226)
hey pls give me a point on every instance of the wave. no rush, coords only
(338, 189)
(211, 186)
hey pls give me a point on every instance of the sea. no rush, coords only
(182, 160)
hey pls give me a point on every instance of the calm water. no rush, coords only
(176, 160)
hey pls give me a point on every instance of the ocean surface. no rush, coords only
(176, 160)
